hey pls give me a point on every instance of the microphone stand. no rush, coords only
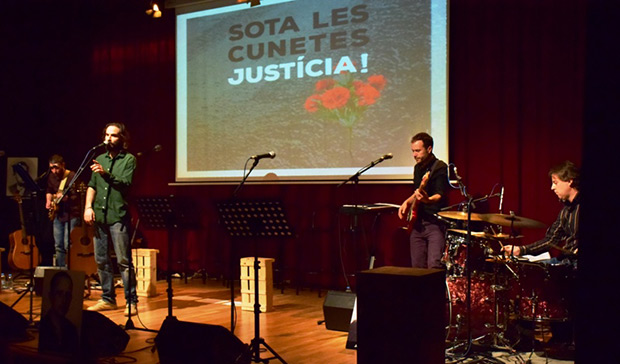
(232, 264)
(253, 349)
(355, 179)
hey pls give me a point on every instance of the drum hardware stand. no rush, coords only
(469, 206)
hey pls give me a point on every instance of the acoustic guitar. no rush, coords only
(23, 253)
(412, 214)
(82, 253)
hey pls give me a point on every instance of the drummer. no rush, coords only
(565, 184)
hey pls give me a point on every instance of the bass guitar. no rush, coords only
(412, 214)
(82, 253)
(23, 254)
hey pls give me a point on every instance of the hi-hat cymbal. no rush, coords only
(511, 220)
(459, 215)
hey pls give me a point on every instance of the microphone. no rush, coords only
(105, 142)
(270, 155)
(501, 199)
(456, 174)
(383, 157)
(156, 148)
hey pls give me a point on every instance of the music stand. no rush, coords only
(253, 220)
(157, 213)
(35, 190)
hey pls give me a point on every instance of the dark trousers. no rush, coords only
(427, 244)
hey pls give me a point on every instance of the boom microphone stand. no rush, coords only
(256, 227)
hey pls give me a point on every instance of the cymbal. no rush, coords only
(502, 236)
(511, 220)
(478, 234)
(459, 215)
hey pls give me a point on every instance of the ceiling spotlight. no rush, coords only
(153, 10)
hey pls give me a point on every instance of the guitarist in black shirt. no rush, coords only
(427, 239)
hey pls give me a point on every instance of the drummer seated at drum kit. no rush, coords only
(565, 184)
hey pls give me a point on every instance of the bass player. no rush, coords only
(427, 240)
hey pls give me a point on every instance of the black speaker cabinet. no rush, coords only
(400, 315)
(188, 342)
(101, 336)
(12, 325)
(337, 310)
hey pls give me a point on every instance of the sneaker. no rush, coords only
(134, 309)
(102, 305)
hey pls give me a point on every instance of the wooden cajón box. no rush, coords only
(265, 284)
(145, 262)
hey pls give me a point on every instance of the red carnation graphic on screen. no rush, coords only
(345, 99)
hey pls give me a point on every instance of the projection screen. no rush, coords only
(329, 86)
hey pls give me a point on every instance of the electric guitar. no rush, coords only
(23, 250)
(82, 253)
(53, 210)
(51, 213)
(412, 214)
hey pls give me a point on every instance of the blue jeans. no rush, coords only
(61, 239)
(119, 234)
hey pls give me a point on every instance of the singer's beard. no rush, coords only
(111, 147)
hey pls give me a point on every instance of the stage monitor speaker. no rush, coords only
(12, 325)
(101, 336)
(401, 315)
(188, 342)
(337, 310)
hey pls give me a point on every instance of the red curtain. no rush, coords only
(515, 94)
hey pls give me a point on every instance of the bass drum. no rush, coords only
(484, 291)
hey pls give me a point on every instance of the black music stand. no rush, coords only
(158, 213)
(35, 191)
(253, 220)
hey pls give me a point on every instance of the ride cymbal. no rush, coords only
(511, 220)
(459, 215)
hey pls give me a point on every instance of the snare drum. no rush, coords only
(544, 292)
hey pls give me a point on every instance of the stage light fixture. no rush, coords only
(153, 10)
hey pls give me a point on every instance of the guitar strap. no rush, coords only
(432, 168)
(63, 182)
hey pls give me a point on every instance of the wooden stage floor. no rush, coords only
(291, 329)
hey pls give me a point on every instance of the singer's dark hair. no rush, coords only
(56, 159)
(123, 133)
(567, 171)
(426, 139)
